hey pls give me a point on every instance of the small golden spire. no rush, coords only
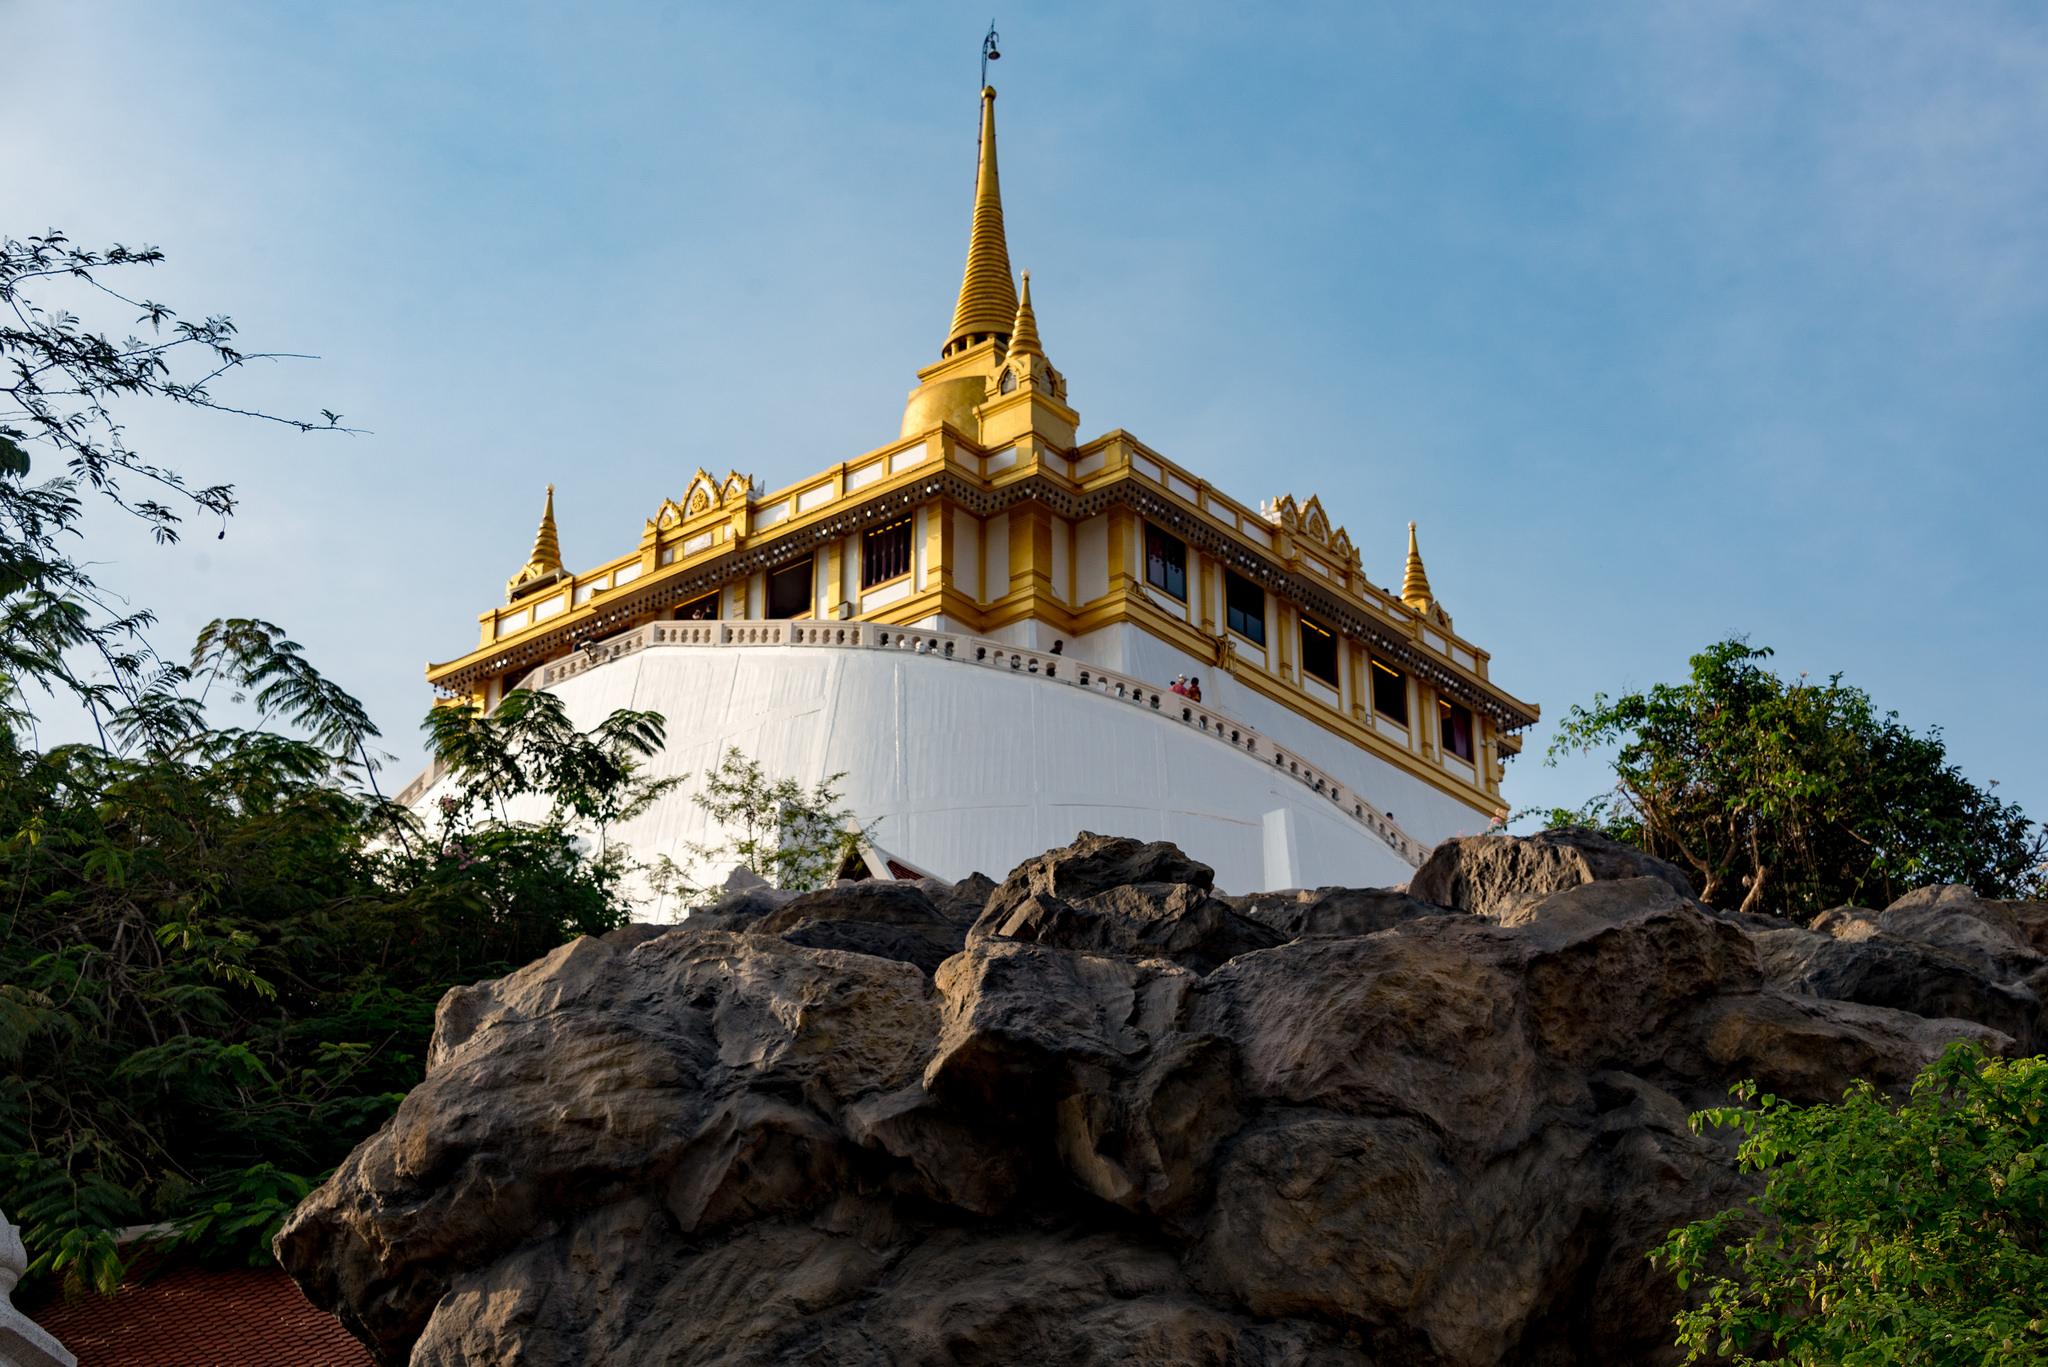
(1024, 332)
(1415, 584)
(988, 294)
(546, 561)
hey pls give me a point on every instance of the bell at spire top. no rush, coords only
(988, 294)
(544, 566)
(1415, 584)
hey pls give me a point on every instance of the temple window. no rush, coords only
(1457, 728)
(1318, 652)
(1245, 604)
(1166, 563)
(789, 590)
(1009, 383)
(885, 554)
(703, 609)
(1390, 692)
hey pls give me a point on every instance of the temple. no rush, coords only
(978, 623)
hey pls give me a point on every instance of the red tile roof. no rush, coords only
(194, 1318)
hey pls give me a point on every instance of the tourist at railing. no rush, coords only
(1194, 690)
(1179, 686)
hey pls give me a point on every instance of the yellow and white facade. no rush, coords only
(977, 623)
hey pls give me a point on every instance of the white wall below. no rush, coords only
(1423, 810)
(971, 769)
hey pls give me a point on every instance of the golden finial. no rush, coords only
(1415, 584)
(988, 295)
(1024, 333)
(545, 564)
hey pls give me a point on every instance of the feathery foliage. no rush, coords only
(221, 947)
(1908, 1235)
(219, 970)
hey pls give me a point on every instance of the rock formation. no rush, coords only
(1099, 1114)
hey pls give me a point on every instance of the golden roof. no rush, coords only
(988, 295)
(1024, 332)
(1415, 584)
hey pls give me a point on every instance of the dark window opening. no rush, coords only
(1457, 728)
(703, 609)
(1166, 562)
(1245, 605)
(1318, 653)
(1390, 692)
(885, 554)
(789, 590)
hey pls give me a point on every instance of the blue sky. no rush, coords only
(1664, 321)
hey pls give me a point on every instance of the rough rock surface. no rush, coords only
(889, 920)
(1488, 875)
(1340, 911)
(1937, 951)
(1126, 1122)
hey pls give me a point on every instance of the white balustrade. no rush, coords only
(986, 654)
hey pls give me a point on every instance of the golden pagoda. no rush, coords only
(988, 530)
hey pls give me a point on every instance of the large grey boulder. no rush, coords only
(1984, 934)
(1489, 875)
(888, 919)
(1092, 864)
(1881, 969)
(1122, 1123)
(2028, 919)
(1339, 911)
(1938, 952)
(1177, 921)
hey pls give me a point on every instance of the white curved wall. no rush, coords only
(1426, 812)
(971, 769)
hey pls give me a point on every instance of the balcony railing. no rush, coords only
(983, 653)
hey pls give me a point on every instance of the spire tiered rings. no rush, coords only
(988, 294)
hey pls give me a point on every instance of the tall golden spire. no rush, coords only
(1415, 584)
(988, 295)
(545, 564)
(1024, 332)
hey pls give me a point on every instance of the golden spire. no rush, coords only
(545, 564)
(988, 296)
(1024, 332)
(1415, 584)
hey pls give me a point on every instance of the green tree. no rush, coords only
(781, 831)
(219, 968)
(221, 948)
(528, 746)
(1794, 796)
(1913, 1233)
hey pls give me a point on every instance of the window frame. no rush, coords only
(1448, 715)
(1169, 570)
(1232, 613)
(907, 524)
(1334, 646)
(1398, 679)
(809, 565)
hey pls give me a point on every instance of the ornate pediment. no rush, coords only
(1309, 522)
(706, 494)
